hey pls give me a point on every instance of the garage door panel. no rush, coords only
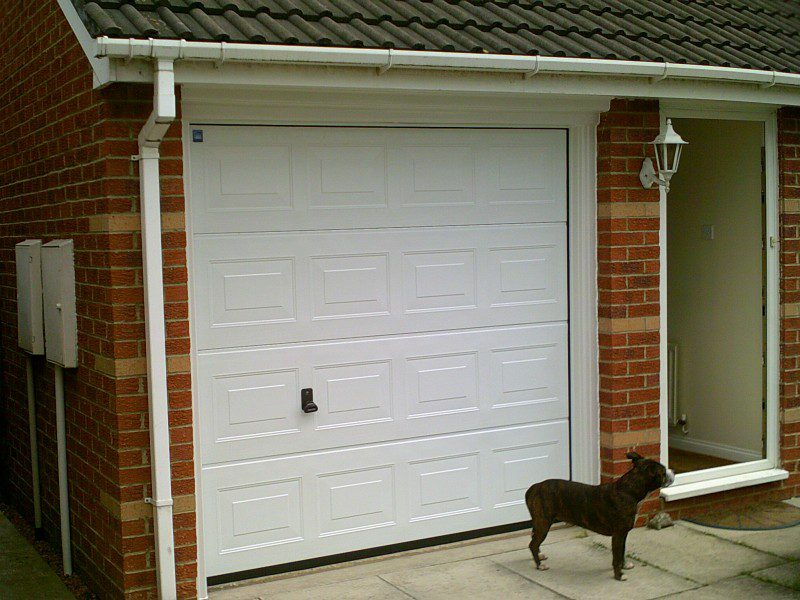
(259, 290)
(356, 499)
(262, 513)
(389, 388)
(445, 485)
(236, 180)
(433, 487)
(416, 280)
(441, 385)
(349, 286)
(345, 177)
(261, 404)
(290, 178)
(431, 176)
(276, 288)
(352, 394)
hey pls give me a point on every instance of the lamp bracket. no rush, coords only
(649, 177)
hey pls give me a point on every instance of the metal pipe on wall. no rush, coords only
(37, 497)
(150, 137)
(63, 489)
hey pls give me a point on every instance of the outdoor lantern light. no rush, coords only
(668, 146)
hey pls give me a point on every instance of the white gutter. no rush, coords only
(150, 139)
(220, 52)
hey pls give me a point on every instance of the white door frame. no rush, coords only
(731, 476)
(578, 116)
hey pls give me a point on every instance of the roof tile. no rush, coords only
(761, 34)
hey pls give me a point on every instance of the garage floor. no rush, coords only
(686, 562)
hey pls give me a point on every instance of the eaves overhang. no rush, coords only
(257, 64)
(247, 64)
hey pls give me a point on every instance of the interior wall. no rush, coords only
(714, 286)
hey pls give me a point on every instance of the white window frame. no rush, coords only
(579, 116)
(768, 469)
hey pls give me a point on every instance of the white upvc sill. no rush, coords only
(722, 484)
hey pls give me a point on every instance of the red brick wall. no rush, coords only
(789, 165)
(50, 170)
(628, 310)
(65, 171)
(130, 108)
(628, 286)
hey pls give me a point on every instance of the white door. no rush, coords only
(416, 281)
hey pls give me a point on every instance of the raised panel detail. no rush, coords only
(522, 169)
(349, 286)
(437, 385)
(255, 405)
(520, 467)
(354, 394)
(522, 276)
(247, 179)
(356, 500)
(525, 376)
(444, 486)
(435, 176)
(262, 514)
(439, 280)
(347, 177)
(254, 291)
(524, 176)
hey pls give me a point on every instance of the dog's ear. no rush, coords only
(634, 456)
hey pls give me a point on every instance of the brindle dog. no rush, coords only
(608, 509)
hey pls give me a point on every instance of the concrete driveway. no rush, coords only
(684, 562)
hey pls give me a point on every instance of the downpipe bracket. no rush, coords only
(159, 503)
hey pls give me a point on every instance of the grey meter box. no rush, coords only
(30, 319)
(60, 320)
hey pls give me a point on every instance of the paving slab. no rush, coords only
(438, 555)
(478, 579)
(737, 587)
(782, 542)
(691, 554)
(23, 573)
(369, 588)
(787, 575)
(581, 570)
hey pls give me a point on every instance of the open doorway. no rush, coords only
(716, 297)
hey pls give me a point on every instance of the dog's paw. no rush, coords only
(542, 567)
(542, 557)
(628, 566)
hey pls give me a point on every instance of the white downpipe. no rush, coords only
(63, 486)
(220, 52)
(150, 138)
(37, 496)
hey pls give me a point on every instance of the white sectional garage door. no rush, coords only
(416, 281)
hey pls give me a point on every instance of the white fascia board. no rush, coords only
(100, 65)
(221, 53)
(369, 57)
(250, 76)
(722, 484)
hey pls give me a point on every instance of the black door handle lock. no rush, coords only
(307, 401)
